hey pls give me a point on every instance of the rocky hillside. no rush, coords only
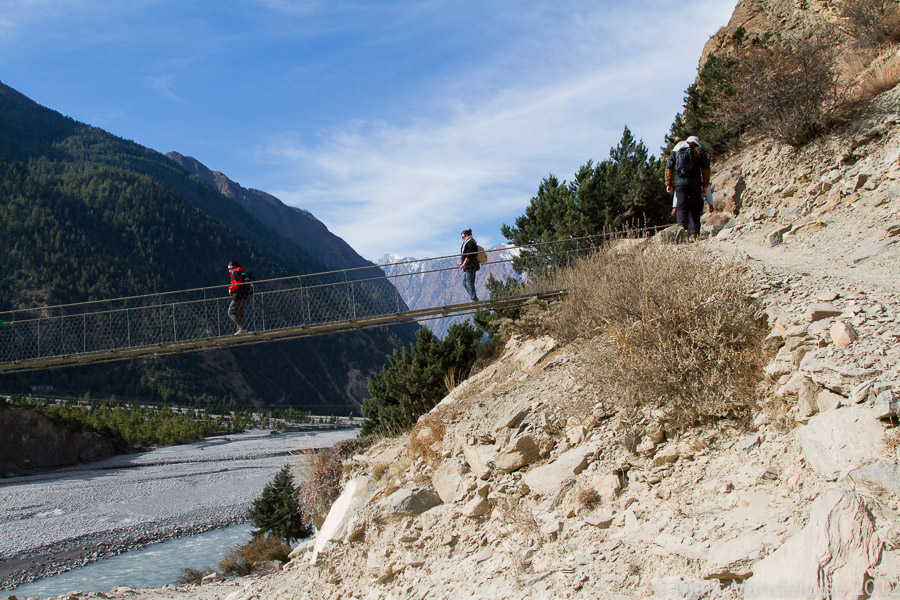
(498, 494)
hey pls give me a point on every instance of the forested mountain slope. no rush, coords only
(86, 215)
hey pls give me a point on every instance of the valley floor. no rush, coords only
(65, 518)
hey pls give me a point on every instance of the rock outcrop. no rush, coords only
(31, 441)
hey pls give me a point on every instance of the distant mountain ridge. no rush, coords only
(437, 282)
(87, 215)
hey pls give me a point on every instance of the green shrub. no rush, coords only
(414, 381)
(702, 103)
(626, 190)
(277, 511)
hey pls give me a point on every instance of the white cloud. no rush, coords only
(406, 186)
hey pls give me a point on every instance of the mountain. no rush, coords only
(294, 224)
(435, 282)
(86, 215)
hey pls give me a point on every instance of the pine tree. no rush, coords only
(277, 512)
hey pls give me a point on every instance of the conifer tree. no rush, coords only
(277, 512)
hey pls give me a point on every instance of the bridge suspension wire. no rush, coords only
(282, 308)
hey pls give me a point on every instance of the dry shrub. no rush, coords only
(787, 89)
(872, 23)
(427, 432)
(672, 330)
(191, 576)
(321, 472)
(589, 498)
(240, 559)
(892, 438)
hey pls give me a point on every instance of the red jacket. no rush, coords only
(238, 279)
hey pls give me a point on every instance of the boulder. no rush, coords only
(547, 479)
(836, 442)
(476, 507)
(733, 559)
(448, 480)
(601, 519)
(480, 458)
(410, 502)
(842, 334)
(831, 373)
(882, 475)
(520, 452)
(821, 310)
(356, 494)
(828, 400)
(829, 558)
(776, 236)
(214, 577)
(886, 405)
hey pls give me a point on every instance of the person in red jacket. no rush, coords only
(240, 290)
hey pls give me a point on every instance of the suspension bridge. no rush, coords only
(280, 309)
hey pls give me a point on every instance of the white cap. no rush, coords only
(693, 140)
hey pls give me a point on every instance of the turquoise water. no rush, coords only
(153, 566)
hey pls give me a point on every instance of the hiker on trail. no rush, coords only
(240, 290)
(469, 262)
(687, 176)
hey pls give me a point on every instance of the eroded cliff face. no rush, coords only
(32, 441)
(787, 17)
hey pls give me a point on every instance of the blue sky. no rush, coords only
(396, 123)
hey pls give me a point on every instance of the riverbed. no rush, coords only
(55, 521)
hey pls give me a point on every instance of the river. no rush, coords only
(154, 566)
(56, 521)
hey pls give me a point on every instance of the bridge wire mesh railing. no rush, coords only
(198, 318)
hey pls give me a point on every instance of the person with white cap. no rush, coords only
(687, 176)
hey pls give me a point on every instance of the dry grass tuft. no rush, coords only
(671, 330)
(426, 437)
(378, 470)
(881, 76)
(892, 438)
(240, 559)
(589, 498)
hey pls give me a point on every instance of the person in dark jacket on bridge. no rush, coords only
(240, 290)
(469, 262)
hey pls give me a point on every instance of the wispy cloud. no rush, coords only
(406, 185)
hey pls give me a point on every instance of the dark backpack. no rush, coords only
(686, 164)
(249, 278)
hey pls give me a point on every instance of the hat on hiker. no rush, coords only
(693, 140)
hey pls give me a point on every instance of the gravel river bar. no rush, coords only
(57, 520)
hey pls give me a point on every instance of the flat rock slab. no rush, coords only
(838, 441)
(547, 478)
(829, 558)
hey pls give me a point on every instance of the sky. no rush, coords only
(395, 123)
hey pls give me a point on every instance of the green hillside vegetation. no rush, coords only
(140, 426)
